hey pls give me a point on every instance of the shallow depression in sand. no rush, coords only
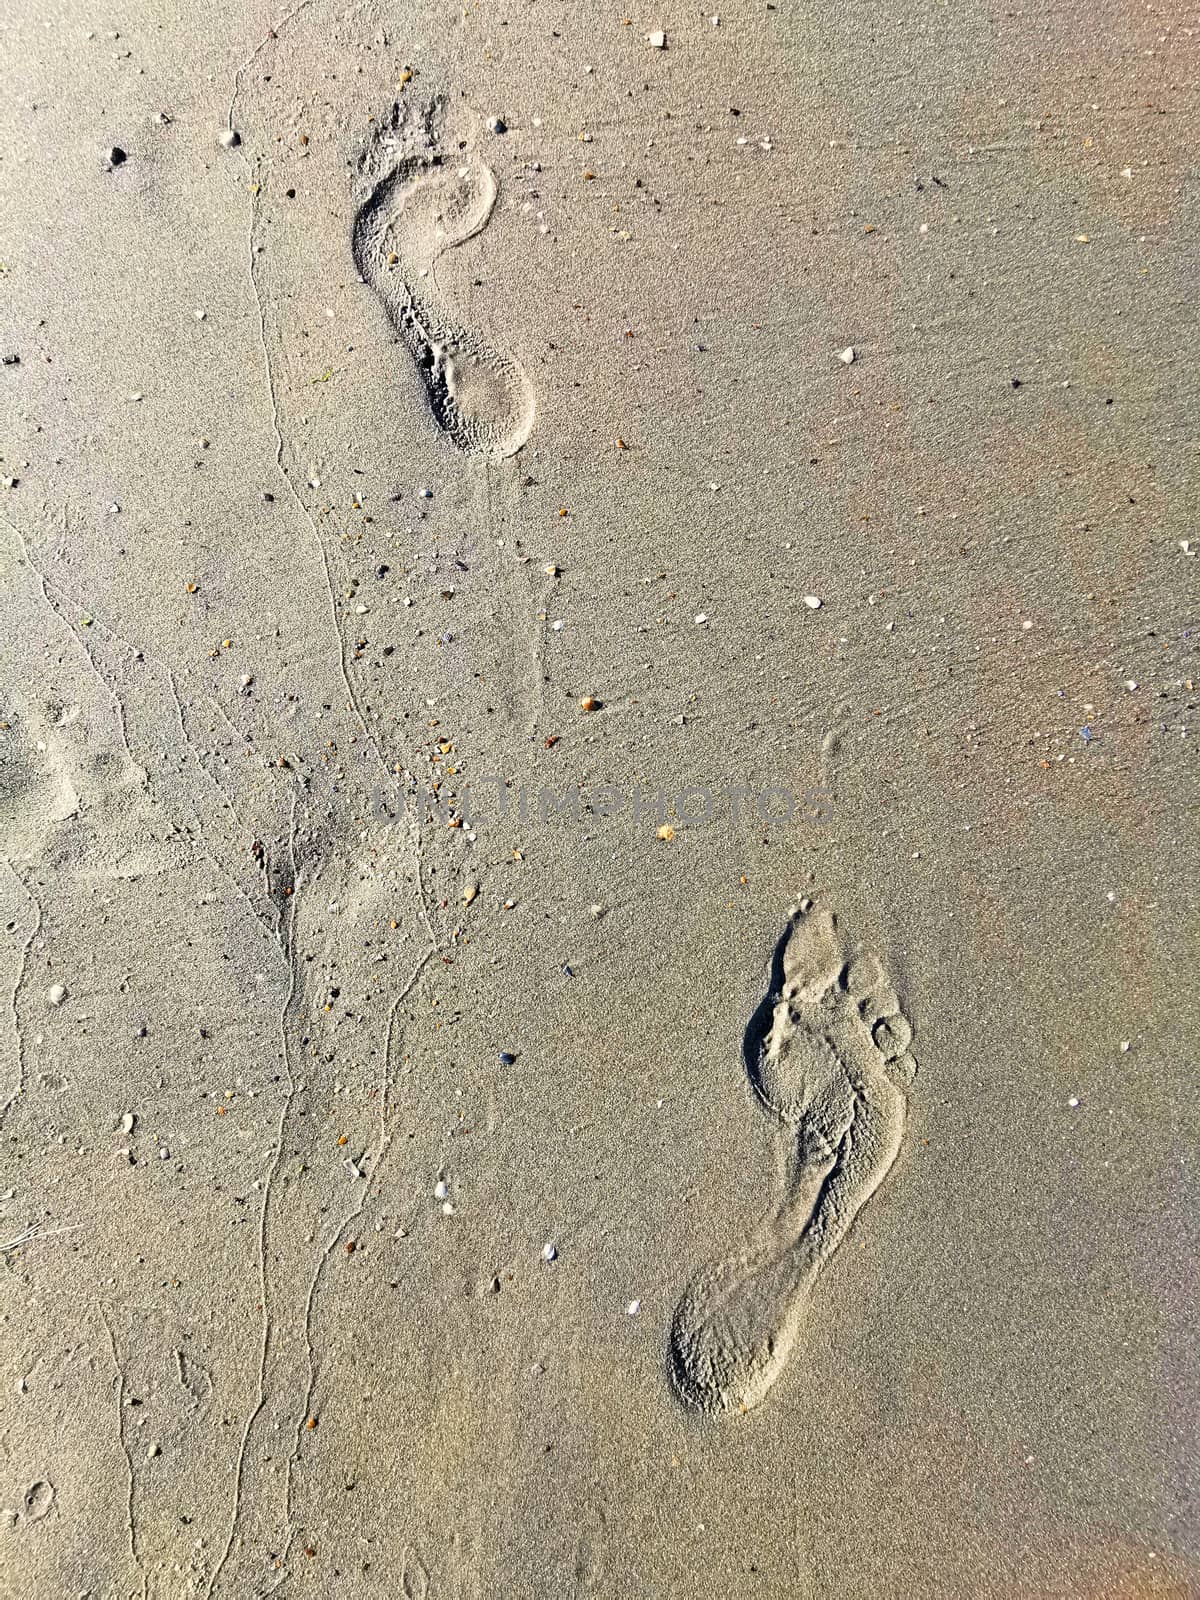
(413, 213)
(830, 1068)
(482, 393)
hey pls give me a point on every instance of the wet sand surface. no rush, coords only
(597, 766)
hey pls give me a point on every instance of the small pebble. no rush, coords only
(657, 41)
(813, 602)
(497, 125)
(441, 1190)
(164, 1153)
(56, 994)
(549, 1253)
(230, 138)
(632, 1309)
(116, 156)
(847, 355)
(507, 1059)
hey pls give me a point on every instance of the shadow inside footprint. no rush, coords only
(416, 207)
(758, 1029)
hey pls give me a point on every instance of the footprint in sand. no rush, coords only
(424, 194)
(828, 1055)
(414, 1579)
